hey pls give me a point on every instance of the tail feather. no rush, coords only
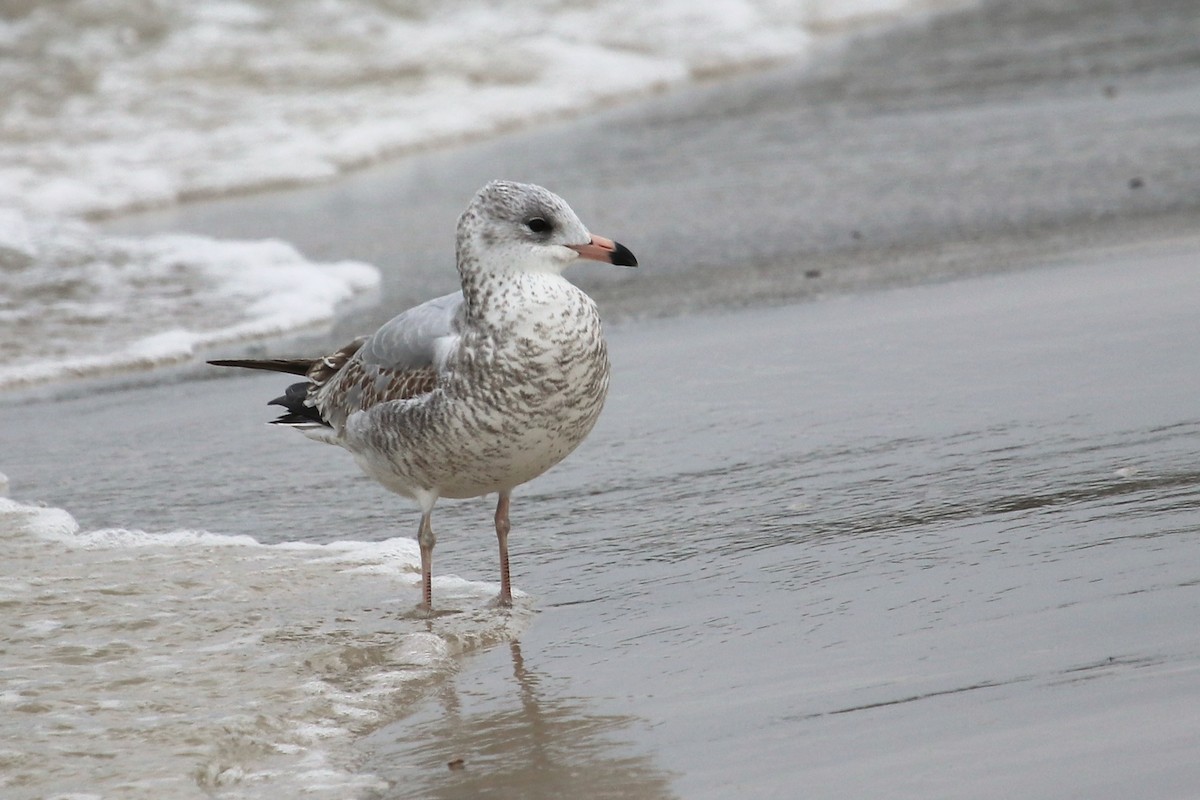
(295, 402)
(292, 366)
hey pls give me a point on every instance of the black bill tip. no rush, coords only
(622, 256)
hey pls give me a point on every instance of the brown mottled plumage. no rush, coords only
(362, 386)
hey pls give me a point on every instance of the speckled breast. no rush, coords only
(526, 403)
(516, 398)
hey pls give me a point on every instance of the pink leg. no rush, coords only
(426, 540)
(502, 528)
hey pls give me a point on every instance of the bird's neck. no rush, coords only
(495, 297)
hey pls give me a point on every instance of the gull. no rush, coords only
(479, 391)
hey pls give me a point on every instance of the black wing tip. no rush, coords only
(295, 402)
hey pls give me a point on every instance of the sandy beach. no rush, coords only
(895, 494)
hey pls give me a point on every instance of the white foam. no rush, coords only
(212, 664)
(82, 303)
(120, 105)
(42, 521)
(123, 104)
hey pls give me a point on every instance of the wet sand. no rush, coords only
(931, 541)
(906, 541)
(982, 141)
(936, 542)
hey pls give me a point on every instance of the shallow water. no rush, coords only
(187, 664)
(927, 543)
(77, 303)
(922, 542)
(934, 542)
(124, 105)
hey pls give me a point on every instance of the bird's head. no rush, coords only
(525, 228)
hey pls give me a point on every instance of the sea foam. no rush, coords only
(193, 664)
(79, 303)
(126, 104)
(122, 105)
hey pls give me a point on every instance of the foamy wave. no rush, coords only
(108, 107)
(126, 104)
(79, 303)
(38, 520)
(212, 664)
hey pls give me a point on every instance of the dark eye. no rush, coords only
(538, 225)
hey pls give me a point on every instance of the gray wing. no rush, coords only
(397, 362)
(408, 340)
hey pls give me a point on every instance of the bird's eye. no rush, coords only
(538, 225)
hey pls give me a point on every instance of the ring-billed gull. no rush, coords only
(478, 391)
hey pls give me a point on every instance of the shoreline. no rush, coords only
(917, 542)
(898, 502)
(873, 166)
(909, 538)
(863, 169)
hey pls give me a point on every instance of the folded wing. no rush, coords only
(401, 360)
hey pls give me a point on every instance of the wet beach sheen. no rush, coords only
(926, 543)
(911, 542)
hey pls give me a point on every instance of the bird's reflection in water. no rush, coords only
(488, 741)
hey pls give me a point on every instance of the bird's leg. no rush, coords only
(426, 539)
(502, 528)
